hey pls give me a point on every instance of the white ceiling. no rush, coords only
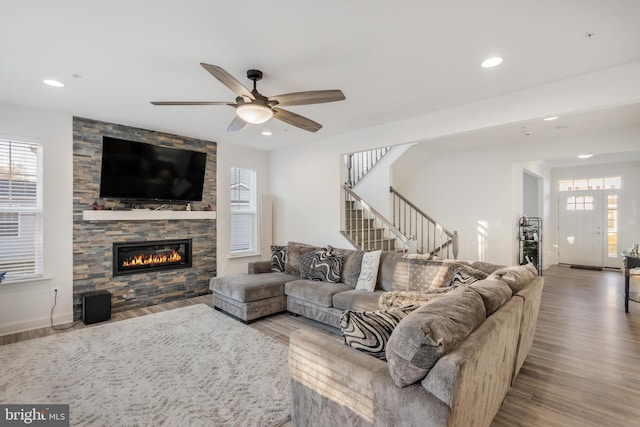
(391, 59)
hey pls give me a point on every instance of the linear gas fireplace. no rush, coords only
(145, 256)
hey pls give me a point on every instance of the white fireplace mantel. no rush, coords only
(145, 215)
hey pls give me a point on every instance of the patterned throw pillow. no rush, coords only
(325, 267)
(369, 271)
(462, 277)
(278, 258)
(306, 263)
(369, 331)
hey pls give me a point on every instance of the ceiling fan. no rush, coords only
(253, 107)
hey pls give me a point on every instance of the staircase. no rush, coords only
(367, 229)
(429, 236)
(409, 230)
(359, 164)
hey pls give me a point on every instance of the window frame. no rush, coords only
(247, 209)
(27, 237)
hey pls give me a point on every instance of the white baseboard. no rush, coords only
(41, 322)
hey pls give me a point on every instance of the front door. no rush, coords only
(581, 228)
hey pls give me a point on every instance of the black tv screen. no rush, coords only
(135, 171)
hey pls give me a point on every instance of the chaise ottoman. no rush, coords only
(250, 296)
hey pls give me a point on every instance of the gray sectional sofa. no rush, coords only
(450, 358)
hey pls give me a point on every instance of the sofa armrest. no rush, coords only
(531, 295)
(330, 382)
(474, 378)
(258, 267)
(333, 384)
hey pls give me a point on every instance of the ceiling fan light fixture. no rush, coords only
(254, 113)
(491, 62)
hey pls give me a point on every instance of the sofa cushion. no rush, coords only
(294, 251)
(357, 300)
(369, 331)
(326, 266)
(369, 271)
(516, 276)
(278, 258)
(351, 267)
(319, 293)
(431, 331)
(250, 287)
(397, 299)
(494, 293)
(406, 272)
(487, 267)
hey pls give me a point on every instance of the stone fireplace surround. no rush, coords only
(95, 233)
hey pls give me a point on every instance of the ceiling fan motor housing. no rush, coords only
(254, 75)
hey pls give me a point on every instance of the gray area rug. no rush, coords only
(190, 366)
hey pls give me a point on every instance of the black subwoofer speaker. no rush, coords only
(96, 307)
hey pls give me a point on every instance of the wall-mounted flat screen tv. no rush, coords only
(136, 171)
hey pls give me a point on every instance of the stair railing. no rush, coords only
(359, 164)
(367, 229)
(430, 236)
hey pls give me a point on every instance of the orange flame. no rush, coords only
(150, 259)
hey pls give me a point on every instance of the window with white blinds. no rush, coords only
(243, 211)
(20, 209)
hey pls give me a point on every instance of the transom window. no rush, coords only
(612, 183)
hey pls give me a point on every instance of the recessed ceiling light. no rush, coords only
(585, 156)
(491, 62)
(548, 119)
(267, 133)
(53, 83)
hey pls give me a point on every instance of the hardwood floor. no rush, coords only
(583, 368)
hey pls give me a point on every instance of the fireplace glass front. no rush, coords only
(145, 256)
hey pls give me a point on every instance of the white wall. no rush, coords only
(228, 156)
(305, 180)
(27, 305)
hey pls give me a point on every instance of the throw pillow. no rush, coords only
(278, 258)
(369, 271)
(326, 266)
(305, 263)
(422, 271)
(369, 331)
(447, 270)
(430, 332)
(462, 277)
(351, 268)
(294, 250)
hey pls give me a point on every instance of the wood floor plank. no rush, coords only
(583, 368)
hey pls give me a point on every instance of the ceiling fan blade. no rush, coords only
(296, 120)
(309, 97)
(236, 124)
(191, 103)
(228, 80)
